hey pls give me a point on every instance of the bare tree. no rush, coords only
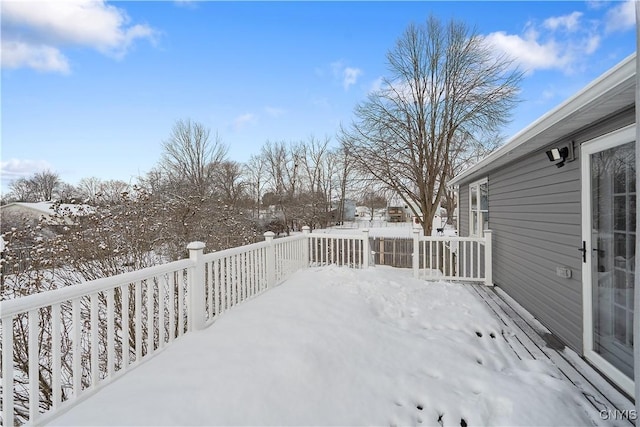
(282, 171)
(255, 172)
(112, 191)
(444, 80)
(229, 183)
(66, 193)
(45, 184)
(317, 167)
(344, 169)
(89, 188)
(22, 190)
(190, 156)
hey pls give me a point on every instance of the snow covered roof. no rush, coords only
(47, 208)
(611, 92)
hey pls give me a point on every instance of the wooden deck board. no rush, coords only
(526, 339)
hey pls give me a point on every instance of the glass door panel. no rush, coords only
(613, 213)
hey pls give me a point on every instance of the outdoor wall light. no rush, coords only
(564, 154)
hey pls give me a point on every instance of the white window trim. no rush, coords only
(479, 225)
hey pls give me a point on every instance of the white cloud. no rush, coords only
(17, 168)
(560, 42)
(596, 4)
(528, 52)
(347, 75)
(592, 44)
(621, 17)
(569, 22)
(350, 77)
(15, 54)
(274, 111)
(243, 120)
(30, 30)
(190, 4)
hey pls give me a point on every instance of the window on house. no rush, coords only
(478, 207)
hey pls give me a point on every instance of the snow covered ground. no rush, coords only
(336, 346)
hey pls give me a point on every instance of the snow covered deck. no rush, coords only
(339, 346)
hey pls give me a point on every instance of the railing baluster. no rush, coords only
(458, 252)
(150, 316)
(34, 366)
(77, 348)
(111, 341)
(451, 272)
(230, 281)
(223, 286)
(7, 371)
(180, 319)
(238, 265)
(124, 289)
(56, 354)
(244, 275)
(210, 289)
(251, 267)
(477, 260)
(472, 260)
(172, 306)
(162, 281)
(94, 334)
(215, 269)
(138, 319)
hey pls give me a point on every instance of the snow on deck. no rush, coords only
(336, 346)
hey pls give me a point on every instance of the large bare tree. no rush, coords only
(191, 156)
(443, 80)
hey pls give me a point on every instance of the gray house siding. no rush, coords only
(534, 212)
(535, 215)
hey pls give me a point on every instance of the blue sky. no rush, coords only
(92, 88)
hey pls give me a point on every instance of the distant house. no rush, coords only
(560, 199)
(397, 214)
(349, 213)
(363, 212)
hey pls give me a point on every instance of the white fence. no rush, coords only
(464, 259)
(62, 345)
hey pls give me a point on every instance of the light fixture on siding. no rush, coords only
(564, 154)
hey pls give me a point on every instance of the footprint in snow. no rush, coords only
(463, 422)
(480, 335)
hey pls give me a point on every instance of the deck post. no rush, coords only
(196, 279)
(488, 266)
(415, 256)
(366, 252)
(271, 259)
(305, 249)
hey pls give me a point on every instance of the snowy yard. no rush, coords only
(337, 346)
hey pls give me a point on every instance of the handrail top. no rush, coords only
(337, 236)
(452, 239)
(27, 303)
(212, 256)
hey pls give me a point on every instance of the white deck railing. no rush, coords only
(350, 250)
(62, 345)
(464, 259)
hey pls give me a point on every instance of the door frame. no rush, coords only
(610, 140)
